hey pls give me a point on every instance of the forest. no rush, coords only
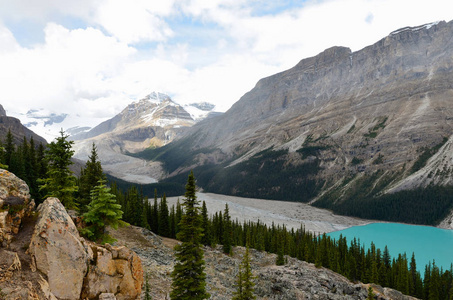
(46, 172)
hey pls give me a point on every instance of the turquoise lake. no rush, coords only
(428, 243)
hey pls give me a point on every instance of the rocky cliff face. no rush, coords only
(370, 113)
(18, 130)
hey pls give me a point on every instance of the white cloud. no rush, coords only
(95, 71)
(53, 74)
(135, 21)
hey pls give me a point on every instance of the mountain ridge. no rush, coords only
(332, 124)
(18, 130)
(152, 121)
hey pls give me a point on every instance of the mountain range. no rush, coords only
(349, 131)
(365, 133)
(153, 121)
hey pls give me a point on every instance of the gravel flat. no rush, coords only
(292, 214)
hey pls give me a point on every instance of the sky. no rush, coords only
(88, 59)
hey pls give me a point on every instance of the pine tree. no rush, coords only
(280, 261)
(370, 293)
(60, 182)
(244, 283)
(227, 231)
(205, 224)
(103, 211)
(33, 172)
(178, 216)
(9, 148)
(189, 278)
(155, 215)
(164, 222)
(89, 178)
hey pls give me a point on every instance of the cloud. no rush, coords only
(55, 73)
(95, 57)
(135, 21)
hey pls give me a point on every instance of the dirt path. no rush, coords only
(292, 214)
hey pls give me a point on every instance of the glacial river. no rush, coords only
(428, 243)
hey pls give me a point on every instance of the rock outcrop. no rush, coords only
(15, 204)
(58, 251)
(76, 268)
(114, 270)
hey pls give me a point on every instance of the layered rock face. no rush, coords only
(15, 204)
(77, 269)
(356, 112)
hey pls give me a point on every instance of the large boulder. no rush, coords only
(58, 251)
(116, 270)
(77, 269)
(15, 204)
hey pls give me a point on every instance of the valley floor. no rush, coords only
(291, 214)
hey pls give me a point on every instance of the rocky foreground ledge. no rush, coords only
(47, 258)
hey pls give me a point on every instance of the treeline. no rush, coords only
(427, 206)
(352, 260)
(26, 161)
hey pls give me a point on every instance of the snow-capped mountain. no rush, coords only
(152, 121)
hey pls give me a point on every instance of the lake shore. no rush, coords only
(290, 214)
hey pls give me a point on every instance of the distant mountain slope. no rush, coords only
(17, 129)
(150, 122)
(339, 126)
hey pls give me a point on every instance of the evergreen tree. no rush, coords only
(9, 148)
(164, 222)
(227, 231)
(33, 172)
(205, 224)
(189, 278)
(172, 222)
(60, 182)
(155, 215)
(280, 261)
(89, 178)
(370, 294)
(244, 281)
(178, 215)
(239, 284)
(102, 211)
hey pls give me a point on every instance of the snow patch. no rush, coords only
(425, 26)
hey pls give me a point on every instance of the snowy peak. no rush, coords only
(156, 97)
(156, 109)
(201, 110)
(204, 106)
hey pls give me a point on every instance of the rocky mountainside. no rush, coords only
(150, 122)
(374, 121)
(294, 280)
(18, 130)
(42, 255)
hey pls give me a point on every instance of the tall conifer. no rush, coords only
(189, 278)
